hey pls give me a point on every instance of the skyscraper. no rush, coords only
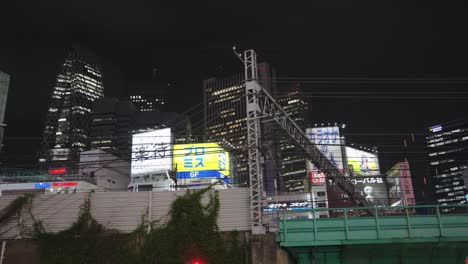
(149, 96)
(78, 85)
(448, 160)
(293, 171)
(4, 83)
(225, 118)
(113, 122)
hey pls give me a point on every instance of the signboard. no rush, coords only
(41, 185)
(328, 141)
(201, 160)
(362, 162)
(373, 188)
(317, 177)
(435, 129)
(64, 184)
(57, 171)
(288, 206)
(151, 151)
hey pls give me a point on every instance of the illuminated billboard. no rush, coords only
(373, 188)
(151, 151)
(201, 160)
(328, 141)
(362, 162)
(400, 186)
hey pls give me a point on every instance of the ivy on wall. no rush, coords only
(189, 232)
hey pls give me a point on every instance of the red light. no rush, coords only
(196, 261)
(57, 171)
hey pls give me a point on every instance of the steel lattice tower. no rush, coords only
(78, 85)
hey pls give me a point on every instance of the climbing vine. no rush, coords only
(15, 207)
(189, 231)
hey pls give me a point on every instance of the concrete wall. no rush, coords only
(111, 173)
(118, 210)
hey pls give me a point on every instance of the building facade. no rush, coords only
(4, 84)
(225, 121)
(79, 84)
(111, 127)
(149, 96)
(447, 146)
(293, 171)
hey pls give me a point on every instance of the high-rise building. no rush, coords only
(111, 128)
(225, 119)
(447, 146)
(4, 83)
(293, 171)
(79, 84)
(149, 96)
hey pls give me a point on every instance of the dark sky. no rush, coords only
(192, 40)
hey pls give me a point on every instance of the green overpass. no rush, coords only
(391, 235)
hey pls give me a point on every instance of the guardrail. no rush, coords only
(386, 225)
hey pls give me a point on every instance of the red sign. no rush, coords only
(317, 177)
(318, 180)
(57, 171)
(64, 184)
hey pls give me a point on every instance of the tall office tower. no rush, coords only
(225, 120)
(149, 96)
(78, 85)
(4, 83)
(293, 171)
(447, 147)
(111, 128)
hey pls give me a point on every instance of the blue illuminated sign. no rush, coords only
(288, 206)
(435, 129)
(41, 185)
(199, 174)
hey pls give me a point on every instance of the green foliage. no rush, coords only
(15, 207)
(86, 241)
(190, 231)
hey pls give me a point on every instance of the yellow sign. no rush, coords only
(201, 157)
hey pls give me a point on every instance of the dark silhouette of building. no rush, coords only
(149, 96)
(112, 124)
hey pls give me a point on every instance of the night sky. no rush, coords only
(409, 44)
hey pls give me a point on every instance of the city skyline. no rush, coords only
(387, 81)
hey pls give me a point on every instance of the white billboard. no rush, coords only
(151, 151)
(328, 141)
(362, 162)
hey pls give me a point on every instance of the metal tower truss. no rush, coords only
(271, 109)
(253, 141)
(260, 104)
